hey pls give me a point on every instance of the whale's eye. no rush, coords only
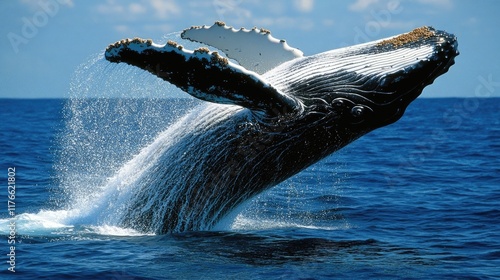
(357, 111)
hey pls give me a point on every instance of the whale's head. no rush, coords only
(369, 85)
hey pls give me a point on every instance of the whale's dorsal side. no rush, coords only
(205, 75)
(254, 49)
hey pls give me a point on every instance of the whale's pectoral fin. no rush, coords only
(255, 49)
(205, 75)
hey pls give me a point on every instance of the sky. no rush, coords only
(42, 42)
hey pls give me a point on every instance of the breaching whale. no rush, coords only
(271, 112)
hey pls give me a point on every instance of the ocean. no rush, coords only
(416, 199)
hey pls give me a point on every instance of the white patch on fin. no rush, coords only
(255, 49)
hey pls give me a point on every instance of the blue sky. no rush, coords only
(44, 41)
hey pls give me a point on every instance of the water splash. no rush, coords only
(112, 113)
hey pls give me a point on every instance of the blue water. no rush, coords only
(417, 199)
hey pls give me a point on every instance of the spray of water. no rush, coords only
(113, 112)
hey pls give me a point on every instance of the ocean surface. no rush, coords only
(419, 199)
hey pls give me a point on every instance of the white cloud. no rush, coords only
(138, 17)
(111, 7)
(361, 5)
(160, 8)
(304, 5)
(231, 10)
(165, 8)
(135, 8)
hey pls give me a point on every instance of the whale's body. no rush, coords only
(265, 124)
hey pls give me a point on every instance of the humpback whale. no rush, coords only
(271, 111)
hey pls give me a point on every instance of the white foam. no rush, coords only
(42, 223)
(243, 223)
(60, 222)
(117, 231)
